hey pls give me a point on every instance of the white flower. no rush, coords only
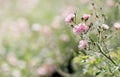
(104, 26)
(117, 25)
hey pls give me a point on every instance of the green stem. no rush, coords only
(101, 51)
(105, 46)
(108, 57)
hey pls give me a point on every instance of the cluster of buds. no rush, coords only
(80, 28)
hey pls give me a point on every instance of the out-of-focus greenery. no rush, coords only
(34, 36)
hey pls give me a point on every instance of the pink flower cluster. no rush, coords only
(78, 29)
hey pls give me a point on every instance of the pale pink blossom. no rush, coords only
(46, 30)
(12, 59)
(78, 29)
(4, 67)
(56, 22)
(117, 25)
(110, 3)
(69, 18)
(86, 16)
(104, 26)
(64, 38)
(84, 1)
(82, 44)
(22, 24)
(46, 70)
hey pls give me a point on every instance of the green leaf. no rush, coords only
(80, 58)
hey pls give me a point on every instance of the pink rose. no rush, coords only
(78, 29)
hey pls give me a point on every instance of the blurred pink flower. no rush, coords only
(11, 58)
(5, 68)
(84, 1)
(104, 26)
(69, 18)
(110, 3)
(41, 71)
(46, 70)
(78, 29)
(117, 25)
(86, 16)
(56, 22)
(46, 30)
(82, 44)
(64, 38)
(19, 26)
